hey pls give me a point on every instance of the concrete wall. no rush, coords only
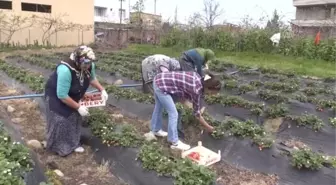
(326, 32)
(312, 2)
(314, 13)
(112, 11)
(76, 11)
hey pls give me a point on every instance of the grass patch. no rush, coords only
(299, 65)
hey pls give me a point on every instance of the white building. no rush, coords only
(111, 11)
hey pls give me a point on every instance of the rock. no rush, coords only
(17, 120)
(34, 144)
(202, 110)
(150, 136)
(10, 109)
(44, 144)
(188, 104)
(117, 116)
(273, 125)
(59, 173)
(83, 184)
(118, 82)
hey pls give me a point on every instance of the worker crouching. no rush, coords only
(185, 85)
(153, 65)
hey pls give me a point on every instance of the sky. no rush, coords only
(233, 11)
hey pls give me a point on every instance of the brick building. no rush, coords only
(313, 16)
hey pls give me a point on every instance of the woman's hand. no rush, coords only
(104, 95)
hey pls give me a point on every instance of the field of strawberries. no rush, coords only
(279, 126)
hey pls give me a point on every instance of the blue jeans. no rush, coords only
(164, 101)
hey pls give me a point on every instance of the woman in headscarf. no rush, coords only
(196, 60)
(154, 64)
(65, 87)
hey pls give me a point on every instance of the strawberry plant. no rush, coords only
(300, 97)
(187, 173)
(102, 126)
(313, 91)
(332, 121)
(256, 83)
(235, 101)
(306, 158)
(280, 86)
(245, 88)
(275, 111)
(34, 81)
(228, 77)
(184, 171)
(15, 160)
(231, 84)
(272, 95)
(307, 120)
(243, 129)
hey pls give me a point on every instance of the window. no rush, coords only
(327, 13)
(30, 7)
(122, 13)
(6, 5)
(100, 11)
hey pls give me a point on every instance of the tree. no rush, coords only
(139, 7)
(274, 23)
(12, 23)
(195, 20)
(209, 15)
(175, 16)
(211, 12)
(52, 24)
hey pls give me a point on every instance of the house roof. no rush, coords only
(312, 2)
(154, 15)
(314, 23)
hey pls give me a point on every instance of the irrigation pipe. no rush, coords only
(41, 95)
(234, 72)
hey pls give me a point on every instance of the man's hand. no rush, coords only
(208, 127)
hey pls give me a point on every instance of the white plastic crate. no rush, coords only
(206, 156)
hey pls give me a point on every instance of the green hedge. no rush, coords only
(251, 40)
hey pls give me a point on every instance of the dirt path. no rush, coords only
(77, 168)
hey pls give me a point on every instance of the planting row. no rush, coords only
(229, 84)
(286, 86)
(128, 136)
(258, 109)
(117, 92)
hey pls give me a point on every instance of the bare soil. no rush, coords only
(231, 175)
(81, 168)
(77, 168)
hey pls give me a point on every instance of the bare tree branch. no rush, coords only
(10, 24)
(211, 12)
(51, 24)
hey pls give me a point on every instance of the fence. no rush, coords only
(115, 34)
